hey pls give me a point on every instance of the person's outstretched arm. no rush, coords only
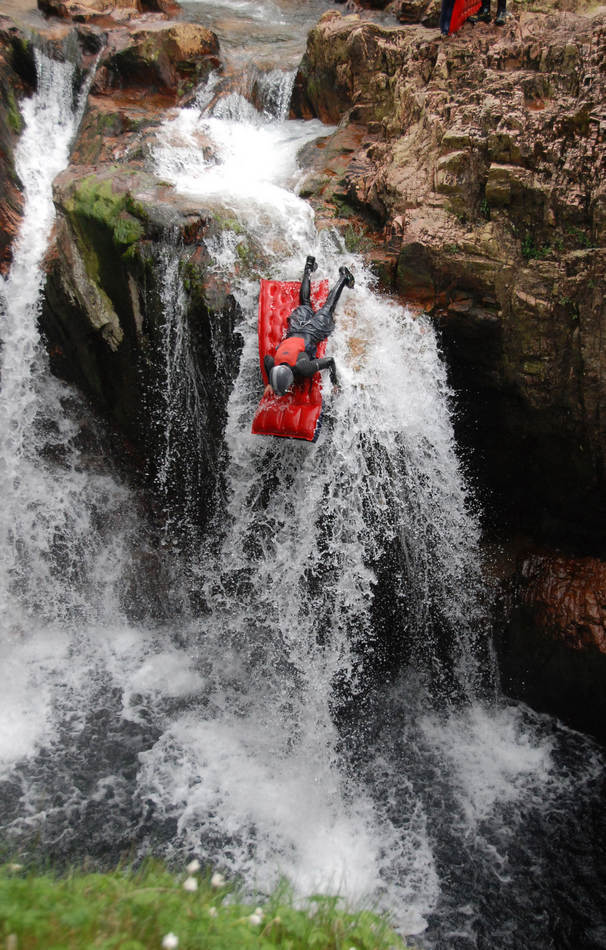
(307, 367)
(268, 363)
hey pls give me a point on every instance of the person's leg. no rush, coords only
(445, 15)
(310, 267)
(501, 13)
(346, 279)
(483, 14)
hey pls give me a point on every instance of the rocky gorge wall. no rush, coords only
(470, 173)
(473, 167)
(17, 77)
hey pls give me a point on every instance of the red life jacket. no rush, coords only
(288, 350)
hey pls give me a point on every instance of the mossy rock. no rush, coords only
(96, 200)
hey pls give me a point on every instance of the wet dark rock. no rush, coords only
(103, 316)
(154, 55)
(552, 645)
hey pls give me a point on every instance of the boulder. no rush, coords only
(105, 11)
(155, 56)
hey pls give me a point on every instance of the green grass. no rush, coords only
(150, 908)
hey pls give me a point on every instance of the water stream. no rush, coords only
(248, 719)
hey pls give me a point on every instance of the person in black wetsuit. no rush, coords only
(295, 357)
(483, 14)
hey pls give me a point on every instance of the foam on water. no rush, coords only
(247, 168)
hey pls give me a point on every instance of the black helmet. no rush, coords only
(281, 378)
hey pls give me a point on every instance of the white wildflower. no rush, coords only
(212, 911)
(190, 884)
(255, 919)
(193, 866)
(217, 880)
(170, 941)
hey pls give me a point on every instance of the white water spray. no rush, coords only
(57, 567)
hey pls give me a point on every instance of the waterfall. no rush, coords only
(289, 578)
(30, 414)
(242, 707)
(383, 490)
(182, 415)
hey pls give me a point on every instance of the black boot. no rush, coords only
(483, 14)
(347, 274)
(311, 264)
(501, 15)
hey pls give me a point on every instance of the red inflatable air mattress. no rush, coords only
(296, 415)
(461, 11)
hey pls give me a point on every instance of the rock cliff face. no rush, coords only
(105, 317)
(17, 77)
(121, 237)
(473, 170)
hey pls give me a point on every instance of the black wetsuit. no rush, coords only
(312, 328)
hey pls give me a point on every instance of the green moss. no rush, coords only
(356, 240)
(97, 201)
(226, 223)
(13, 115)
(343, 209)
(579, 236)
(533, 368)
(107, 235)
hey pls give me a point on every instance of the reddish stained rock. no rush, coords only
(105, 11)
(567, 598)
(154, 54)
(551, 641)
(16, 75)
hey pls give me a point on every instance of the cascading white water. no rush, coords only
(218, 730)
(290, 597)
(28, 403)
